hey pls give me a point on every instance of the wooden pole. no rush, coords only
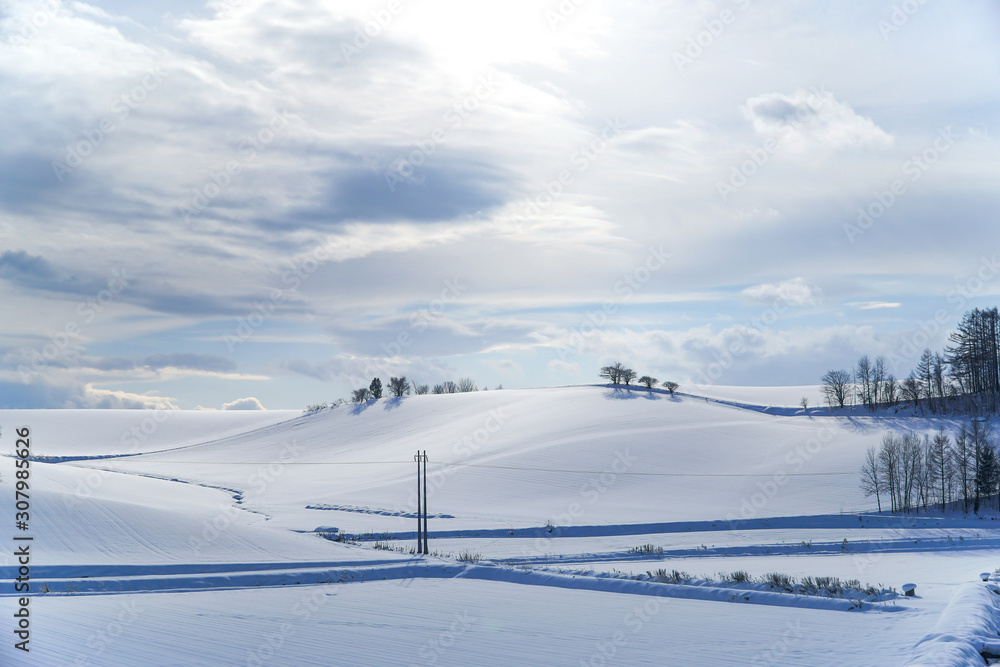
(426, 550)
(419, 534)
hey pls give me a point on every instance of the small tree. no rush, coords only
(648, 381)
(466, 385)
(837, 388)
(399, 386)
(910, 389)
(612, 373)
(671, 387)
(450, 387)
(891, 391)
(360, 395)
(420, 389)
(627, 376)
(804, 403)
(376, 388)
(939, 465)
(871, 476)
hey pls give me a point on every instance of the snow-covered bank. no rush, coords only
(968, 630)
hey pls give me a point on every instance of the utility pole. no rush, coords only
(420, 530)
(426, 550)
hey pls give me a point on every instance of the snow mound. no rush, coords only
(968, 629)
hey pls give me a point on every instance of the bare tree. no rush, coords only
(361, 395)
(863, 382)
(871, 476)
(612, 373)
(466, 385)
(925, 484)
(889, 464)
(964, 459)
(399, 386)
(939, 466)
(648, 381)
(627, 376)
(974, 358)
(439, 389)
(671, 387)
(925, 377)
(985, 471)
(420, 389)
(890, 393)
(879, 373)
(910, 389)
(837, 388)
(910, 469)
(937, 378)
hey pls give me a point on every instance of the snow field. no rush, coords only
(207, 534)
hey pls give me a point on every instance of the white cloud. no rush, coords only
(249, 403)
(91, 397)
(815, 116)
(564, 367)
(794, 292)
(506, 367)
(874, 305)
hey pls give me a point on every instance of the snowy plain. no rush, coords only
(200, 538)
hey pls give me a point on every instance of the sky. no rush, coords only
(247, 204)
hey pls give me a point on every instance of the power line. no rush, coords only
(653, 474)
(498, 467)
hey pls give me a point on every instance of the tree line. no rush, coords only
(911, 472)
(618, 374)
(965, 378)
(399, 387)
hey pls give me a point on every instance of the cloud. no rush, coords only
(815, 116)
(203, 362)
(139, 287)
(72, 359)
(793, 292)
(506, 367)
(564, 367)
(43, 394)
(528, 150)
(444, 189)
(873, 305)
(92, 397)
(249, 403)
(357, 371)
(36, 272)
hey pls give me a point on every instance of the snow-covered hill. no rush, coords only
(218, 516)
